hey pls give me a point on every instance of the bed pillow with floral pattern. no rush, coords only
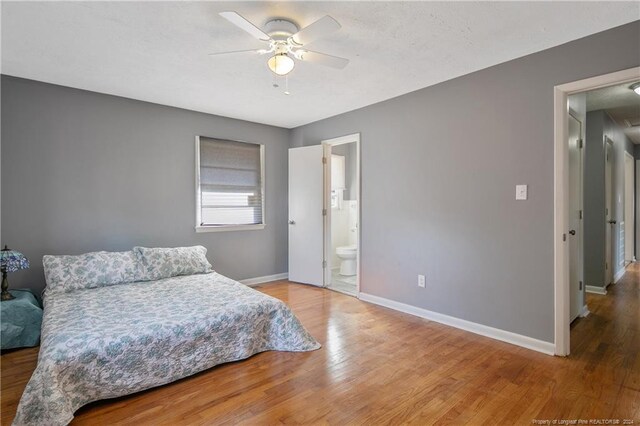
(90, 270)
(159, 263)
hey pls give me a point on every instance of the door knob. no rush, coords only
(292, 222)
(612, 222)
(572, 232)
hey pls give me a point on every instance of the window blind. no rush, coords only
(230, 183)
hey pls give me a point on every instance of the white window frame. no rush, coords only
(224, 228)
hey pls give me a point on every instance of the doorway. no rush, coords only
(342, 219)
(324, 214)
(610, 205)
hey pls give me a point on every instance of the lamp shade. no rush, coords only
(281, 64)
(12, 261)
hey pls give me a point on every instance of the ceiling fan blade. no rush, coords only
(322, 27)
(256, 51)
(243, 24)
(323, 59)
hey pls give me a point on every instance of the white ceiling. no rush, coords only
(623, 106)
(157, 51)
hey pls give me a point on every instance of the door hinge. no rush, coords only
(324, 160)
(580, 285)
(324, 263)
(606, 265)
(324, 212)
(580, 214)
(564, 237)
(580, 143)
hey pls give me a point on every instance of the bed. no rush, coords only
(113, 340)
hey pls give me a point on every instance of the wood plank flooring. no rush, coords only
(378, 366)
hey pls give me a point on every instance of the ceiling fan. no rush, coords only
(286, 42)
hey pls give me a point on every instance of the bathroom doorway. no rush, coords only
(342, 217)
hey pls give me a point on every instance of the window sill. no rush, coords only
(224, 228)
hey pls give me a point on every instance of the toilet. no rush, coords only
(347, 256)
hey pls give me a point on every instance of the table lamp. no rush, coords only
(10, 261)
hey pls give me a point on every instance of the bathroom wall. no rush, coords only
(348, 150)
(339, 231)
(343, 228)
(343, 219)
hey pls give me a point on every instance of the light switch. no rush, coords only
(521, 192)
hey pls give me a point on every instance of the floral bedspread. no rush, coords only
(111, 341)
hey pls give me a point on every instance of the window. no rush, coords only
(229, 185)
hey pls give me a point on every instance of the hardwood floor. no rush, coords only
(378, 366)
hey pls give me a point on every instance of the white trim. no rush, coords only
(267, 278)
(595, 289)
(619, 275)
(355, 137)
(584, 312)
(224, 228)
(483, 330)
(561, 194)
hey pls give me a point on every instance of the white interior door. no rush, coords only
(610, 223)
(629, 203)
(575, 218)
(306, 201)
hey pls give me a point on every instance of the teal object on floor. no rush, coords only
(20, 320)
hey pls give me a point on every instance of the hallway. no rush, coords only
(606, 345)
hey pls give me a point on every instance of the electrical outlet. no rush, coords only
(421, 281)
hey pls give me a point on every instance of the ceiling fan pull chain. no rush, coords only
(286, 85)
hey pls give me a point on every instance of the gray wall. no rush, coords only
(599, 125)
(439, 169)
(83, 171)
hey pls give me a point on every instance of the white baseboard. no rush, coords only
(595, 290)
(584, 312)
(267, 278)
(619, 275)
(483, 330)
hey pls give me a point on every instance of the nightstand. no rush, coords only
(20, 320)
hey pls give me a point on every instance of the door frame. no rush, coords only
(629, 230)
(327, 144)
(561, 195)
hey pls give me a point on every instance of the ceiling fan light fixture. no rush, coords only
(281, 64)
(636, 88)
